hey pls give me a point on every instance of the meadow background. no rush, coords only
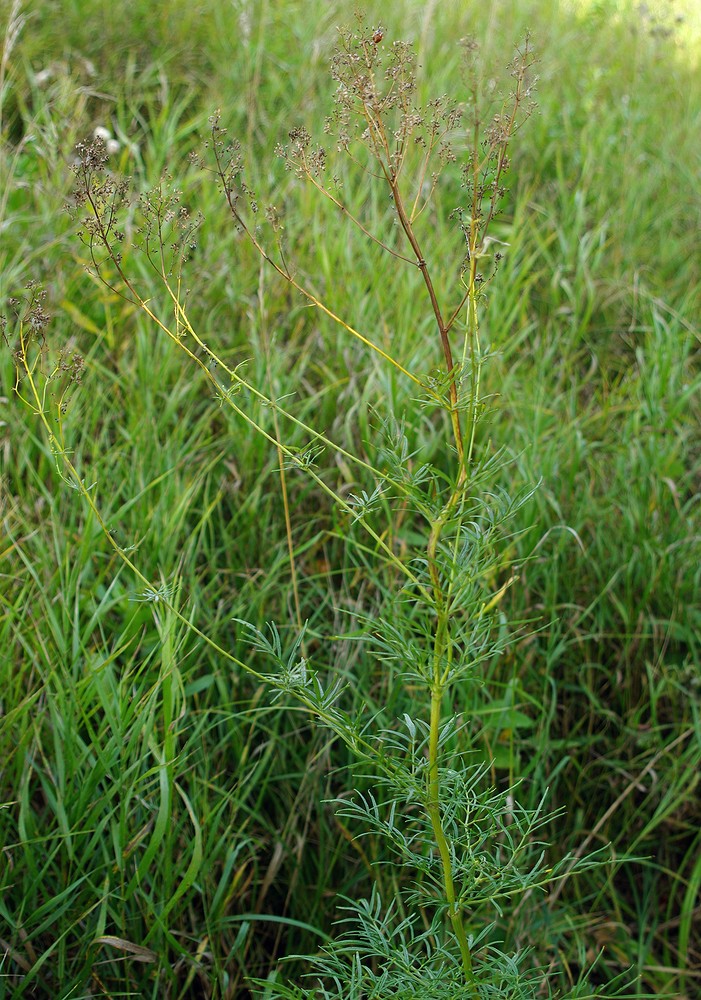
(113, 884)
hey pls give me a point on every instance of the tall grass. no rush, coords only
(155, 852)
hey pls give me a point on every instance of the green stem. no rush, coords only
(442, 643)
(441, 672)
(475, 366)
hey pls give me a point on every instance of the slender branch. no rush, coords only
(361, 746)
(306, 293)
(288, 452)
(344, 211)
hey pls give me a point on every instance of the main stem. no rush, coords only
(441, 651)
(442, 644)
(472, 343)
(442, 657)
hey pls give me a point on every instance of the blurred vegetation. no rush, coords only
(593, 320)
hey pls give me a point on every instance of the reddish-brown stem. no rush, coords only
(442, 329)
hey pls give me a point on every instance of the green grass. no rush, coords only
(153, 796)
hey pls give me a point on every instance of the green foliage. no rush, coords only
(191, 794)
